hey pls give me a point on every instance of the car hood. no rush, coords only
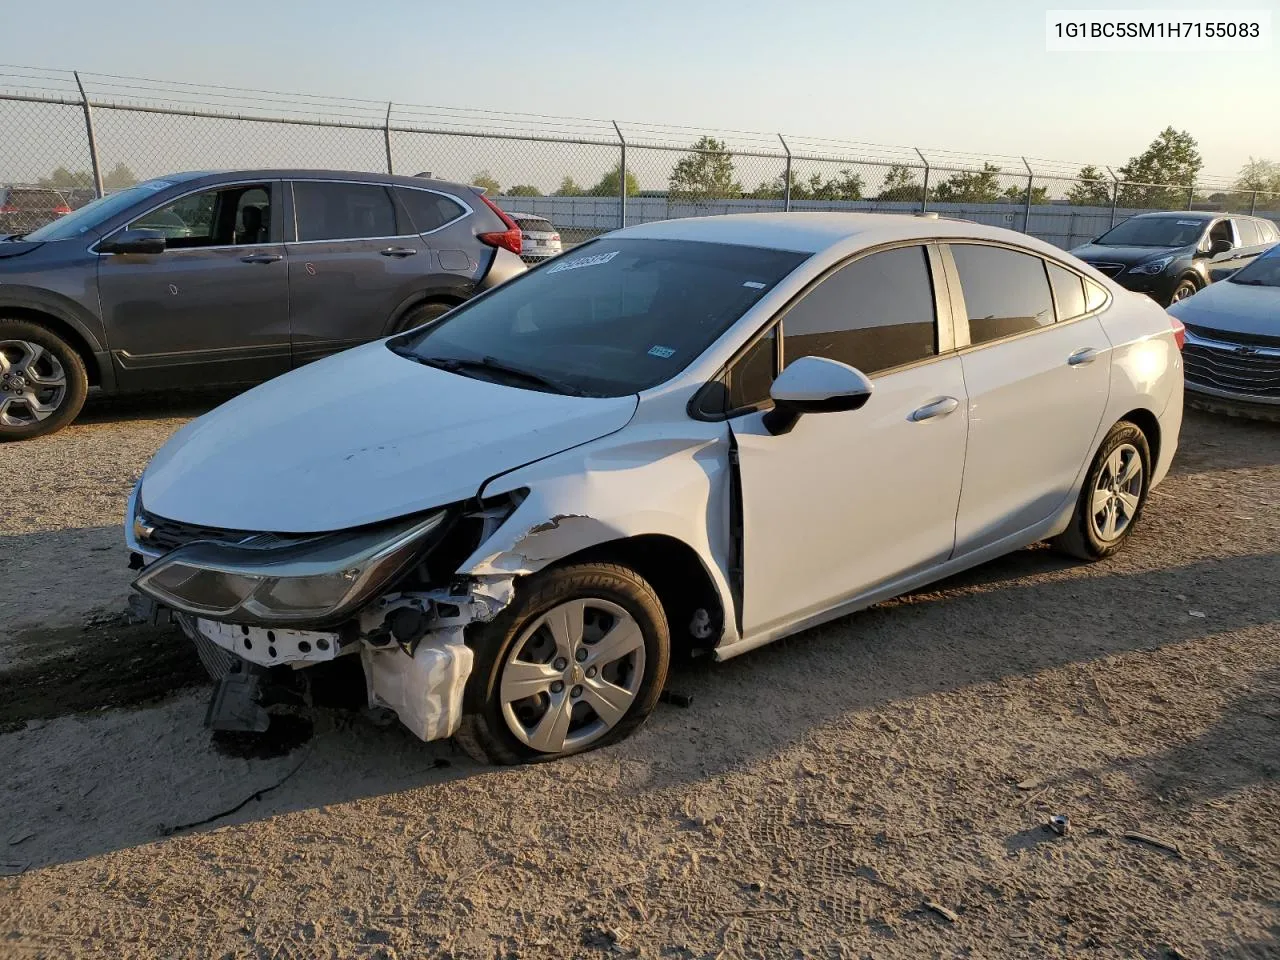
(359, 437)
(1232, 308)
(1096, 253)
(16, 248)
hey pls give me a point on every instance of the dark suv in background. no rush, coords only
(227, 278)
(26, 208)
(1172, 255)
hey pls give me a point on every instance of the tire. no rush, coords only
(609, 594)
(1185, 288)
(423, 313)
(1087, 536)
(29, 348)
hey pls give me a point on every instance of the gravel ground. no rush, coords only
(875, 787)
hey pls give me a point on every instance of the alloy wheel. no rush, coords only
(572, 675)
(33, 383)
(1117, 493)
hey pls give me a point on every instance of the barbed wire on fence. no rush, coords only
(89, 133)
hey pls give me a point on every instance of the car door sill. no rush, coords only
(1014, 541)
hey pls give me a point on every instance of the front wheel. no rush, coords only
(1184, 289)
(43, 383)
(1111, 500)
(577, 661)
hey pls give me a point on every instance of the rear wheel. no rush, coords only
(577, 661)
(1112, 497)
(43, 383)
(423, 313)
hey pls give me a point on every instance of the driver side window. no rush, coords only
(1221, 231)
(229, 216)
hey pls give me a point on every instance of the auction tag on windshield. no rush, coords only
(155, 185)
(657, 350)
(1189, 223)
(592, 261)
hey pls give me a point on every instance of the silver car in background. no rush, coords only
(1232, 353)
(540, 239)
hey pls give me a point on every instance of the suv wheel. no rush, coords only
(43, 383)
(578, 660)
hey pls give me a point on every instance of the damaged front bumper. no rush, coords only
(411, 643)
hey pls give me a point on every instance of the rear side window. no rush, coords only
(429, 211)
(1248, 231)
(873, 314)
(1269, 232)
(1094, 295)
(1068, 291)
(1005, 292)
(343, 211)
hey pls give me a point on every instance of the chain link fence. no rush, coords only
(65, 138)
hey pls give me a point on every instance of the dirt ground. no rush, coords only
(877, 787)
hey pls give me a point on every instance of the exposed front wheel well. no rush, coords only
(64, 331)
(406, 318)
(679, 578)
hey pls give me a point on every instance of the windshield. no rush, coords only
(613, 317)
(97, 212)
(1153, 232)
(1263, 272)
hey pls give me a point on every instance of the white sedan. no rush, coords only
(703, 433)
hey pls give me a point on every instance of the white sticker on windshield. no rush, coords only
(660, 351)
(754, 285)
(592, 261)
(1188, 223)
(154, 185)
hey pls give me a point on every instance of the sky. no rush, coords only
(968, 75)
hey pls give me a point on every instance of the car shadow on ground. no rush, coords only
(1210, 443)
(154, 769)
(184, 402)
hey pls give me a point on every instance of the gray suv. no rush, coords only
(227, 278)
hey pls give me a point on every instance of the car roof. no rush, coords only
(813, 232)
(1180, 214)
(292, 173)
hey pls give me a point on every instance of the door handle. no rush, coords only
(398, 251)
(261, 258)
(1084, 355)
(936, 408)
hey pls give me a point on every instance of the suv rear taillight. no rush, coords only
(1179, 332)
(509, 239)
(62, 210)
(8, 208)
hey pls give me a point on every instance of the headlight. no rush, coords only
(1152, 267)
(318, 579)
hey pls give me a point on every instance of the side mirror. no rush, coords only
(814, 385)
(1219, 246)
(134, 241)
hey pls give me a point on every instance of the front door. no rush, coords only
(852, 500)
(1038, 381)
(354, 263)
(214, 307)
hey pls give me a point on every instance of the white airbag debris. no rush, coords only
(424, 690)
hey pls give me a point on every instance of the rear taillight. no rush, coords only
(509, 239)
(61, 211)
(1179, 332)
(555, 236)
(8, 208)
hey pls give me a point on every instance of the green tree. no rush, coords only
(485, 179)
(706, 173)
(64, 179)
(847, 186)
(523, 190)
(1019, 195)
(1092, 189)
(1260, 175)
(119, 176)
(900, 185)
(568, 188)
(970, 186)
(608, 185)
(1170, 161)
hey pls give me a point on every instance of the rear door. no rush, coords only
(1037, 386)
(214, 307)
(1249, 243)
(354, 262)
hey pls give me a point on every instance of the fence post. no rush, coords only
(386, 137)
(622, 176)
(1026, 212)
(1191, 194)
(1115, 195)
(924, 196)
(93, 140)
(786, 178)
(1253, 204)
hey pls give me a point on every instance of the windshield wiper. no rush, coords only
(494, 365)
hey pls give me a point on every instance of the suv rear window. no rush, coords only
(429, 211)
(534, 225)
(26, 199)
